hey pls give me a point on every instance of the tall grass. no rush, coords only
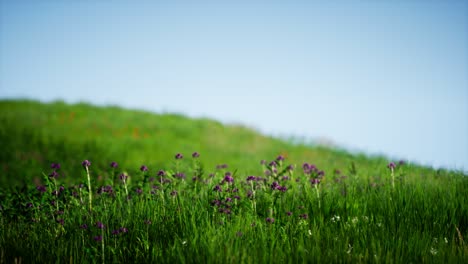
(281, 214)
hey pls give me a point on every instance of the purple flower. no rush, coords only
(228, 199)
(115, 232)
(251, 178)
(180, 175)
(55, 166)
(306, 166)
(61, 189)
(262, 162)
(29, 205)
(139, 191)
(41, 188)
(54, 174)
(228, 177)
(274, 186)
(217, 188)
(391, 165)
(273, 164)
(314, 181)
(289, 213)
(216, 203)
(84, 226)
(285, 178)
(86, 163)
(195, 155)
(114, 164)
(174, 193)
(270, 220)
(123, 230)
(280, 158)
(401, 162)
(282, 188)
(178, 156)
(60, 221)
(100, 225)
(161, 173)
(290, 167)
(123, 177)
(143, 168)
(304, 216)
(98, 238)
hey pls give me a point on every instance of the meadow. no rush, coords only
(86, 184)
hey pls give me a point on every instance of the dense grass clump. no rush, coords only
(284, 213)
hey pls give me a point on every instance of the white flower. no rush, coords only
(310, 232)
(446, 240)
(184, 242)
(355, 220)
(433, 251)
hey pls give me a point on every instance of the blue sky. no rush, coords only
(384, 77)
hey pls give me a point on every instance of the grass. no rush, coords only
(189, 210)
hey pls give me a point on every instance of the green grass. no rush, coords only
(354, 215)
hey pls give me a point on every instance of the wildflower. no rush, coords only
(54, 174)
(262, 162)
(216, 203)
(123, 230)
(228, 199)
(61, 189)
(100, 225)
(228, 178)
(195, 155)
(282, 188)
(178, 156)
(55, 166)
(180, 175)
(60, 221)
(115, 232)
(290, 167)
(161, 173)
(401, 162)
(143, 168)
(314, 181)
(173, 193)
(84, 226)
(237, 197)
(274, 186)
(139, 191)
(273, 164)
(29, 205)
(86, 163)
(41, 188)
(270, 220)
(251, 178)
(217, 188)
(98, 238)
(303, 216)
(114, 164)
(123, 177)
(289, 213)
(285, 178)
(280, 158)
(391, 166)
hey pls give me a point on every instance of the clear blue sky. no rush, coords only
(387, 77)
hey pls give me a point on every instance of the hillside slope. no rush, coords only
(35, 134)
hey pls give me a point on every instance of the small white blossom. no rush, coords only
(433, 251)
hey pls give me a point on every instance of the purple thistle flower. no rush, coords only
(100, 225)
(280, 158)
(314, 181)
(41, 188)
(228, 178)
(224, 166)
(217, 188)
(306, 166)
(195, 155)
(285, 178)
(391, 165)
(55, 166)
(143, 168)
(178, 156)
(29, 205)
(54, 174)
(237, 197)
(98, 238)
(84, 226)
(123, 177)
(139, 191)
(272, 164)
(60, 221)
(304, 216)
(270, 220)
(290, 167)
(180, 175)
(262, 162)
(228, 199)
(282, 188)
(114, 164)
(61, 189)
(251, 178)
(289, 213)
(274, 186)
(249, 194)
(115, 232)
(401, 162)
(123, 230)
(161, 173)
(86, 164)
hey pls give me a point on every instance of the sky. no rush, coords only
(379, 77)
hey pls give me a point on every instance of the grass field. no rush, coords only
(86, 184)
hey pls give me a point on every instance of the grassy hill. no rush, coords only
(34, 134)
(336, 208)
